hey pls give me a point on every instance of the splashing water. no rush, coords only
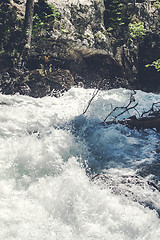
(63, 176)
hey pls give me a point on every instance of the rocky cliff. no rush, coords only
(77, 49)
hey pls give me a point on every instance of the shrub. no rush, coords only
(155, 64)
(44, 15)
(9, 27)
(137, 29)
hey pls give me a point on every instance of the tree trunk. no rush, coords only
(28, 22)
(149, 122)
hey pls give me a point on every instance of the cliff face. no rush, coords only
(77, 49)
(78, 42)
(149, 51)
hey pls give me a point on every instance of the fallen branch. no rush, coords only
(147, 120)
(152, 110)
(126, 108)
(151, 121)
(138, 123)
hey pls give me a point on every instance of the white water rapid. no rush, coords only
(65, 177)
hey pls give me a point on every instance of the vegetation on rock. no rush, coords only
(156, 4)
(155, 64)
(10, 30)
(44, 16)
(117, 27)
(117, 13)
(137, 29)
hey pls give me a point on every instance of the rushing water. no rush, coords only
(63, 176)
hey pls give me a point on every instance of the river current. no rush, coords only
(64, 176)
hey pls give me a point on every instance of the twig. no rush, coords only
(151, 109)
(125, 111)
(138, 112)
(132, 99)
(94, 94)
(112, 112)
(89, 103)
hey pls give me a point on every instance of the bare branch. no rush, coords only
(94, 94)
(89, 103)
(151, 121)
(112, 112)
(127, 108)
(150, 111)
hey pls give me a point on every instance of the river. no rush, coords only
(63, 176)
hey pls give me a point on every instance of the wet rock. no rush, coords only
(93, 67)
(133, 187)
(36, 83)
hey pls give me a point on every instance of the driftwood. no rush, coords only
(147, 120)
(150, 122)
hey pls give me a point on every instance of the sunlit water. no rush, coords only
(63, 176)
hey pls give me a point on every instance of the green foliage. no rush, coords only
(44, 15)
(157, 5)
(12, 39)
(9, 28)
(155, 64)
(137, 29)
(115, 15)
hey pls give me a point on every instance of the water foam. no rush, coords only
(49, 151)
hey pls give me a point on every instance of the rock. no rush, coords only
(24, 89)
(149, 51)
(78, 43)
(79, 49)
(36, 83)
(88, 65)
(96, 67)
(128, 186)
